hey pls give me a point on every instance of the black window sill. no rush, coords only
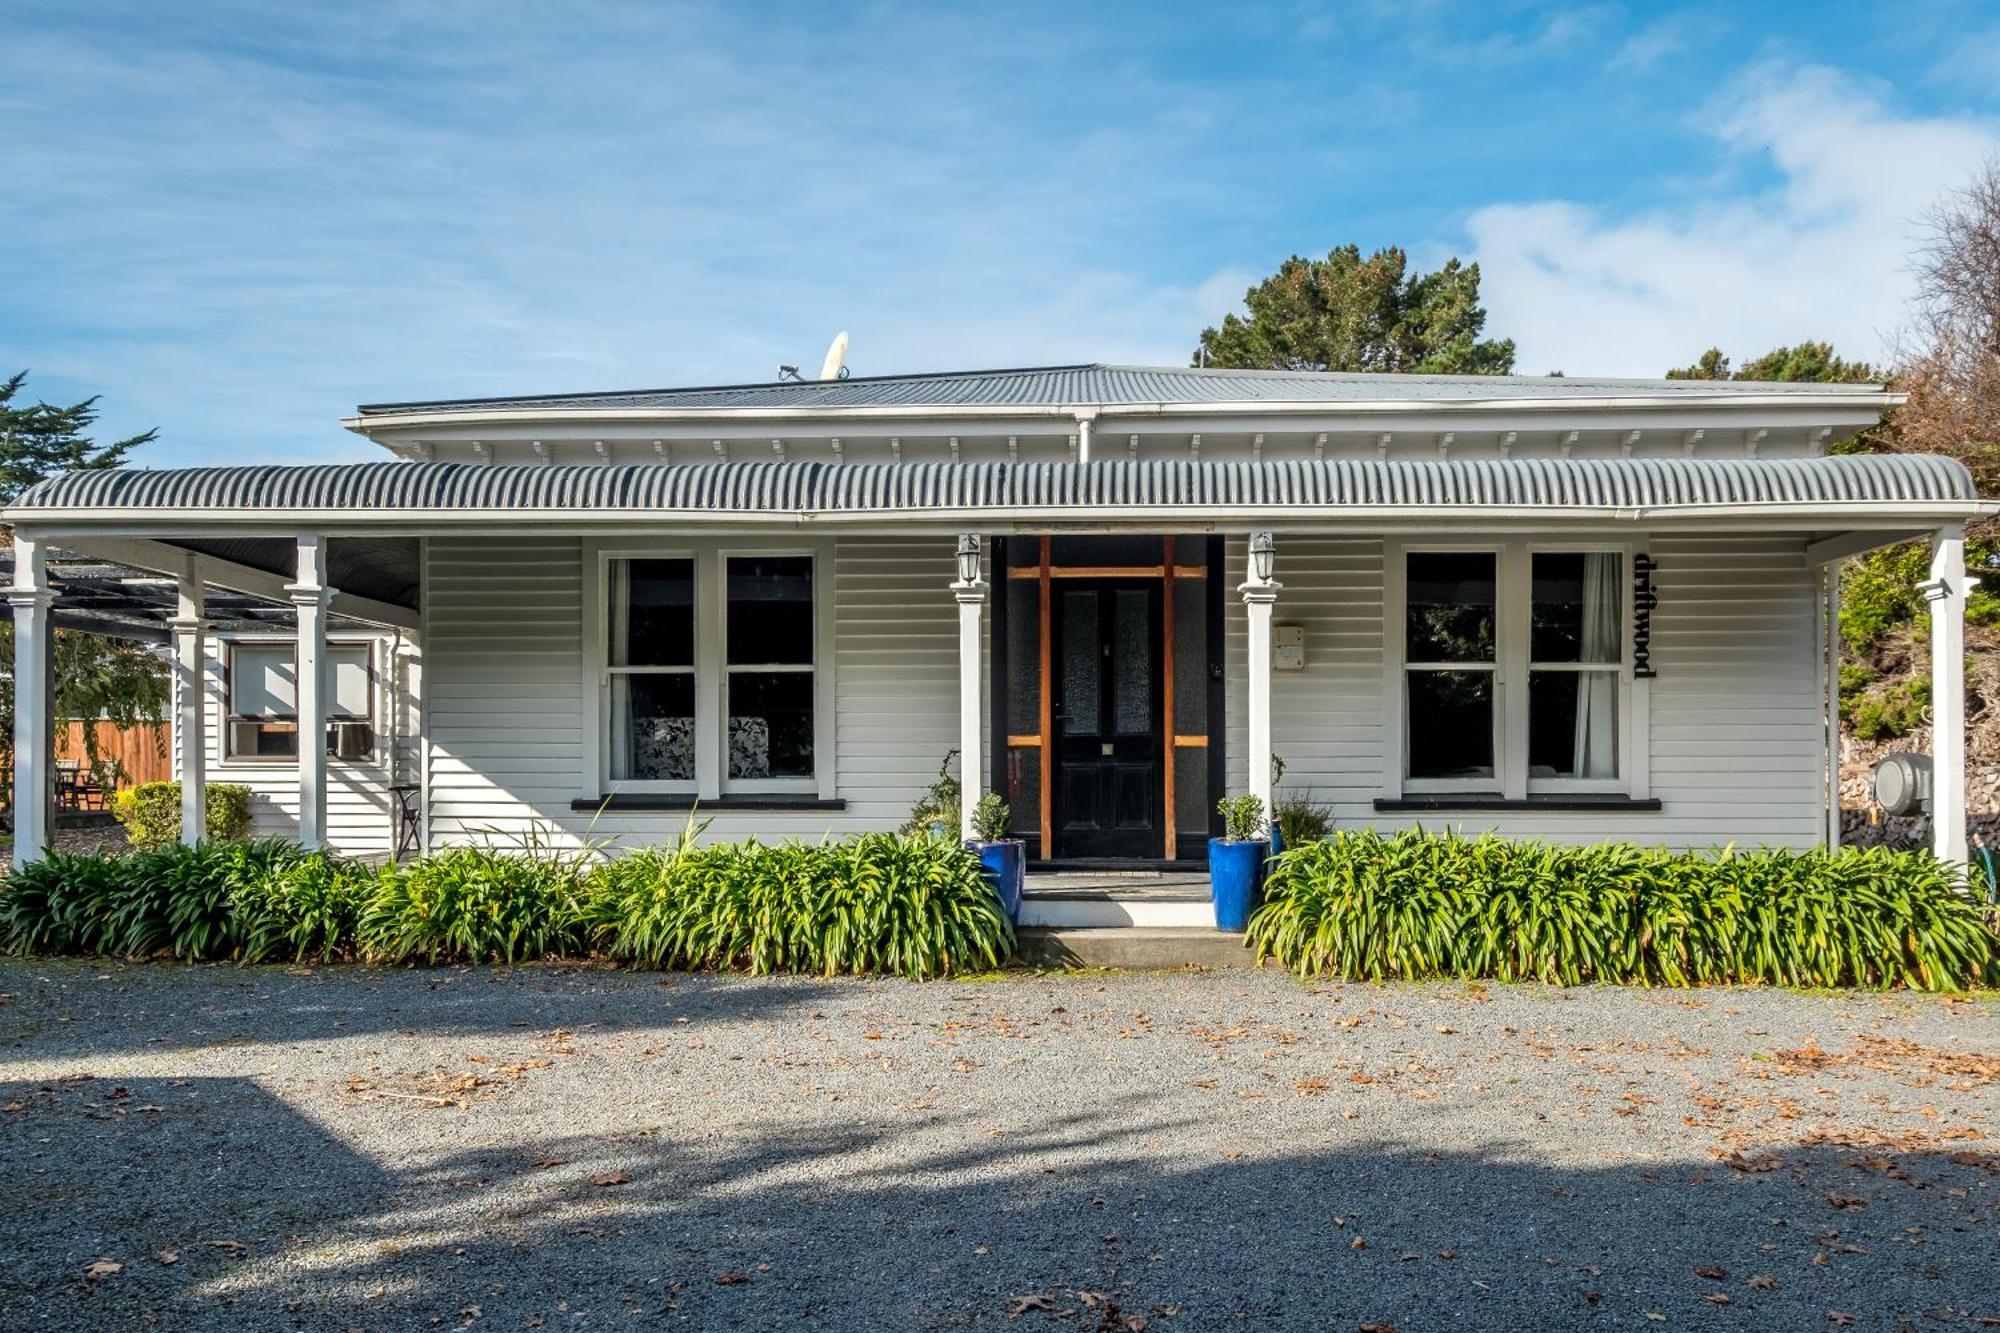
(641, 802)
(1473, 803)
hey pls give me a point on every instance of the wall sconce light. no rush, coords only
(968, 558)
(1263, 556)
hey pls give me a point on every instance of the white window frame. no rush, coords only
(610, 671)
(711, 669)
(377, 704)
(1513, 612)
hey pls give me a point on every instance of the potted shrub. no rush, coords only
(1296, 821)
(936, 811)
(1003, 858)
(1235, 860)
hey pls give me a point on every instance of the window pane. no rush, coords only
(1576, 607)
(770, 610)
(1022, 552)
(1450, 724)
(1132, 663)
(1024, 659)
(652, 613)
(351, 692)
(1190, 655)
(1190, 551)
(1126, 551)
(1024, 790)
(262, 682)
(1572, 724)
(263, 740)
(1449, 615)
(1079, 666)
(652, 726)
(1192, 806)
(770, 724)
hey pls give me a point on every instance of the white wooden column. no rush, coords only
(310, 597)
(1947, 589)
(34, 748)
(1260, 594)
(191, 700)
(970, 589)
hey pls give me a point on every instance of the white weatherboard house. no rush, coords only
(1567, 608)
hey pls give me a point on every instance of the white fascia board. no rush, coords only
(1870, 404)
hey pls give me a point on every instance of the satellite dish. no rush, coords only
(835, 365)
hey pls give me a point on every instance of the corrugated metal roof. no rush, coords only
(1105, 386)
(816, 487)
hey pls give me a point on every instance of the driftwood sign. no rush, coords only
(1644, 599)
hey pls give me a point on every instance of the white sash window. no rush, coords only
(712, 673)
(1509, 669)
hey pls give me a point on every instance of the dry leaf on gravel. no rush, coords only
(731, 1279)
(1020, 1305)
(610, 1178)
(168, 1256)
(99, 1269)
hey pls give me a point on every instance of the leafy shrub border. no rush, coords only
(1416, 904)
(877, 903)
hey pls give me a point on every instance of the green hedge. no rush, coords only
(877, 903)
(151, 812)
(1417, 904)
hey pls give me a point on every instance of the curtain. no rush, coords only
(1596, 754)
(619, 605)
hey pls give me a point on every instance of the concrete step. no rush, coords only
(1082, 899)
(1132, 946)
(1107, 913)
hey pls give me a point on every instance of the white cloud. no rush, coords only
(1818, 245)
(1652, 44)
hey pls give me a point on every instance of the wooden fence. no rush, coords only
(142, 750)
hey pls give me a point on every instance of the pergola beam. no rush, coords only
(1847, 544)
(166, 558)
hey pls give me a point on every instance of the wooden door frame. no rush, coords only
(1037, 579)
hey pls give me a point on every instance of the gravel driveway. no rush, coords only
(224, 1148)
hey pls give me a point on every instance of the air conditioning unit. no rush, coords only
(350, 740)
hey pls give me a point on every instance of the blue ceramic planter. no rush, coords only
(1234, 870)
(1004, 864)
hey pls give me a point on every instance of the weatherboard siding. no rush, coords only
(1736, 747)
(1735, 714)
(507, 711)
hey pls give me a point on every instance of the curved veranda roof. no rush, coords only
(1904, 482)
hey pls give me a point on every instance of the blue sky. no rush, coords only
(237, 221)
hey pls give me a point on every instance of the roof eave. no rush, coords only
(1875, 402)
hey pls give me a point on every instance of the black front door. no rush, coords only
(1106, 712)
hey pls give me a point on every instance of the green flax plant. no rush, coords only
(1415, 904)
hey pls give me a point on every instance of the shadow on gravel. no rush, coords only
(196, 1005)
(930, 1223)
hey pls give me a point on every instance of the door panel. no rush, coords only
(1109, 748)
